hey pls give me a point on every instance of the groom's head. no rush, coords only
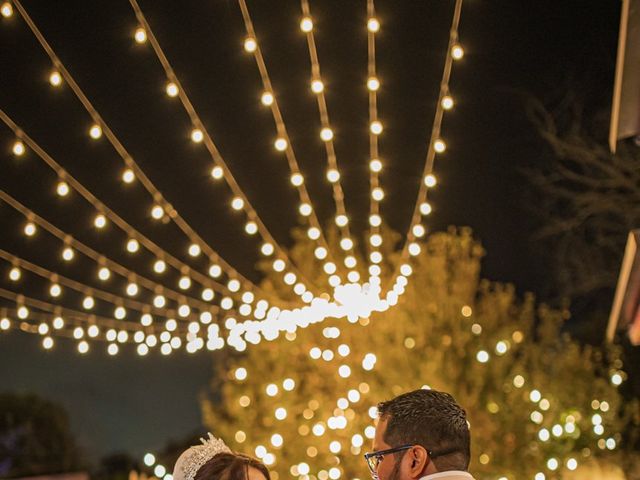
(427, 432)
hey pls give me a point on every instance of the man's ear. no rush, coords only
(417, 461)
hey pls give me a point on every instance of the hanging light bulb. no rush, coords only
(30, 229)
(172, 89)
(317, 86)
(68, 254)
(373, 83)
(18, 148)
(430, 180)
(306, 24)
(55, 79)
(196, 135)
(439, 146)
(250, 44)
(376, 127)
(457, 52)
(447, 102)
(373, 25)
(128, 176)
(95, 131)
(140, 35)
(100, 221)
(15, 274)
(62, 189)
(281, 144)
(6, 9)
(267, 99)
(217, 172)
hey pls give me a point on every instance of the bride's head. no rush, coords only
(213, 460)
(232, 466)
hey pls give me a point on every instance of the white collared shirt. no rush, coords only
(458, 474)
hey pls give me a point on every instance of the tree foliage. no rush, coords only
(35, 437)
(531, 393)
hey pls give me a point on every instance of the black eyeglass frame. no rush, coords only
(381, 453)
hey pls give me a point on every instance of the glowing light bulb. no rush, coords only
(217, 172)
(313, 233)
(237, 203)
(375, 240)
(267, 249)
(157, 212)
(132, 289)
(184, 283)
(375, 220)
(215, 271)
(306, 24)
(326, 134)
(88, 302)
(100, 221)
(346, 244)
(333, 175)
(104, 274)
(194, 250)
(341, 220)
(140, 35)
(6, 9)
(267, 99)
(83, 347)
(159, 266)
(30, 229)
(375, 165)
(447, 102)
(250, 44)
(280, 144)
(373, 25)
(62, 189)
(317, 86)
(172, 89)
(376, 127)
(279, 265)
(196, 135)
(457, 52)
(418, 230)
(414, 249)
(425, 208)
(439, 146)
(251, 228)
(18, 148)
(15, 274)
(377, 194)
(55, 79)
(95, 131)
(373, 84)
(305, 209)
(128, 176)
(297, 179)
(132, 245)
(68, 254)
(430, 180)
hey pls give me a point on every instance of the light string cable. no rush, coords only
(326, 135)
(87, 327)
(101, 127)
(375, 165)
(411, 247)
(240, 201)
(162, 256)
(57, 281)
(283, 143)
(161, 292)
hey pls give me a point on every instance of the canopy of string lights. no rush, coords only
(168, 286)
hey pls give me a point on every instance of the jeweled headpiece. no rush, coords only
(195, 457)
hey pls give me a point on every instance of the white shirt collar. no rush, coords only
(451, 473)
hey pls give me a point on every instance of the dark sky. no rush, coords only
(513, 47)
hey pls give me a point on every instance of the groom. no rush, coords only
(420, 435)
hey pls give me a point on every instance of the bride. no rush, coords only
(213, 460)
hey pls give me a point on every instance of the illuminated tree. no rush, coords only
(536, 400)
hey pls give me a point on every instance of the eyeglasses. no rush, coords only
(375, 458)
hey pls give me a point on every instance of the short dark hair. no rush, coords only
(230, 466)
(431, 419)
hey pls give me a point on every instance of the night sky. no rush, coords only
(512, 49)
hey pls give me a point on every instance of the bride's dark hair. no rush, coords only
(230, 466)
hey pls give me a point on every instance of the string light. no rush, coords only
(18, 148)
(172, 89)
(306, 24)
(62, 189)
(140, 35)
(250, 44)
(457, 52)
(128, 176)
(100, 221)
(30, 229)
(6, 9)
(55, 79)
(95, 131)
